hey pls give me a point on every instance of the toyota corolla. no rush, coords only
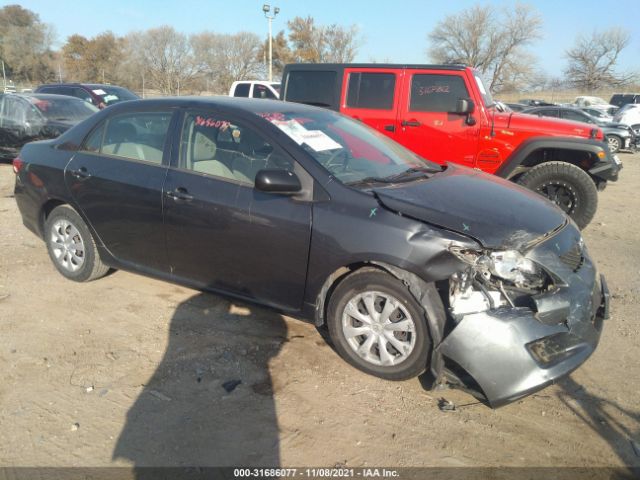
(412, 266)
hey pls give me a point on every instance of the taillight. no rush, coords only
(17, 165)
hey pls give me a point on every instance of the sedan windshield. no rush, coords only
(111, 95)
(59, 108)
(352, 152)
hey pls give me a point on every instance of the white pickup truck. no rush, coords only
(255, 89)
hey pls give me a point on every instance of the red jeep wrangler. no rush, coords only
(445, 113)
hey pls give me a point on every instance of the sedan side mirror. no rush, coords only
(278, 181)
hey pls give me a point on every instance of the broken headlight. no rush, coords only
(514, 267)
(509, 265)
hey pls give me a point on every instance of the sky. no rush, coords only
(393, 31)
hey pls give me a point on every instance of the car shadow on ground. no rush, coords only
(193, 411)
(606, 418)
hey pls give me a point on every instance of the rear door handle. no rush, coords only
(390, 128)
(180, 195)
(80, 173)
(410, 123)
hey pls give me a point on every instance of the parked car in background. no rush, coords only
(531, 102)
(595, 103)
(27, 117)
(516, 107)
(446, 114)
(98, 94)
(622, 99)
(255, 89)
(411, 265)
(628, 114)
(618, 136)
(601, 115)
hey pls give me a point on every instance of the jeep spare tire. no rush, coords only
(566, 185)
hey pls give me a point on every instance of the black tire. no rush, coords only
(371, 280)
(78, 252)
(568, 186)
(614, 143)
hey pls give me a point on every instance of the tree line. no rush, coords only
(163, 59)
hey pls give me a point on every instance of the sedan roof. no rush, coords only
(251, 105)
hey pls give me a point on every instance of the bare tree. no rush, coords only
(592, 60)
(227, 58)
(318, 43)
(25, 44)
(164, 56)
(341, 43)
(492, 43)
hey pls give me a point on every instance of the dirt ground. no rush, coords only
(128, 370)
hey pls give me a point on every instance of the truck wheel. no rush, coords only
(567, 186)
(614, 143)
(71, 246)
(377, 326)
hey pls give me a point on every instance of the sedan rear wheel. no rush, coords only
(71, 246)
(377, 325)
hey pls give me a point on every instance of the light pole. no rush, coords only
(266, 9)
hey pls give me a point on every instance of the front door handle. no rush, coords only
(390, 128)
(410, 123)
(180, 195)
(80, 173)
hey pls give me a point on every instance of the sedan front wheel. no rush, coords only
(614, 143)
(378, 326)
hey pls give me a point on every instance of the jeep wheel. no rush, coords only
(567, 186)
(614, 143)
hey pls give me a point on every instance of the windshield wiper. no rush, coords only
(367, 180)
(410, 174)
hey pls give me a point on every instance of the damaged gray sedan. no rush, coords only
(414, 267)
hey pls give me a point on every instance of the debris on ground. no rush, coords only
(75, 427)
(159, 395)
(445, 405)
(230, 385)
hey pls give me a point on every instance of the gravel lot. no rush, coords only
(128, 370)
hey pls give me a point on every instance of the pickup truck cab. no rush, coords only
(445, 113)
(255, 89)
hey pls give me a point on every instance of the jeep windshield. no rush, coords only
(484, 91)
(353, 153)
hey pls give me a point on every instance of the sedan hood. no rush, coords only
(491, 210)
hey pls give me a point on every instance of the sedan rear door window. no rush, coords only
(137, 136)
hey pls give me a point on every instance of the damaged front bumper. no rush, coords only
(513, 351)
